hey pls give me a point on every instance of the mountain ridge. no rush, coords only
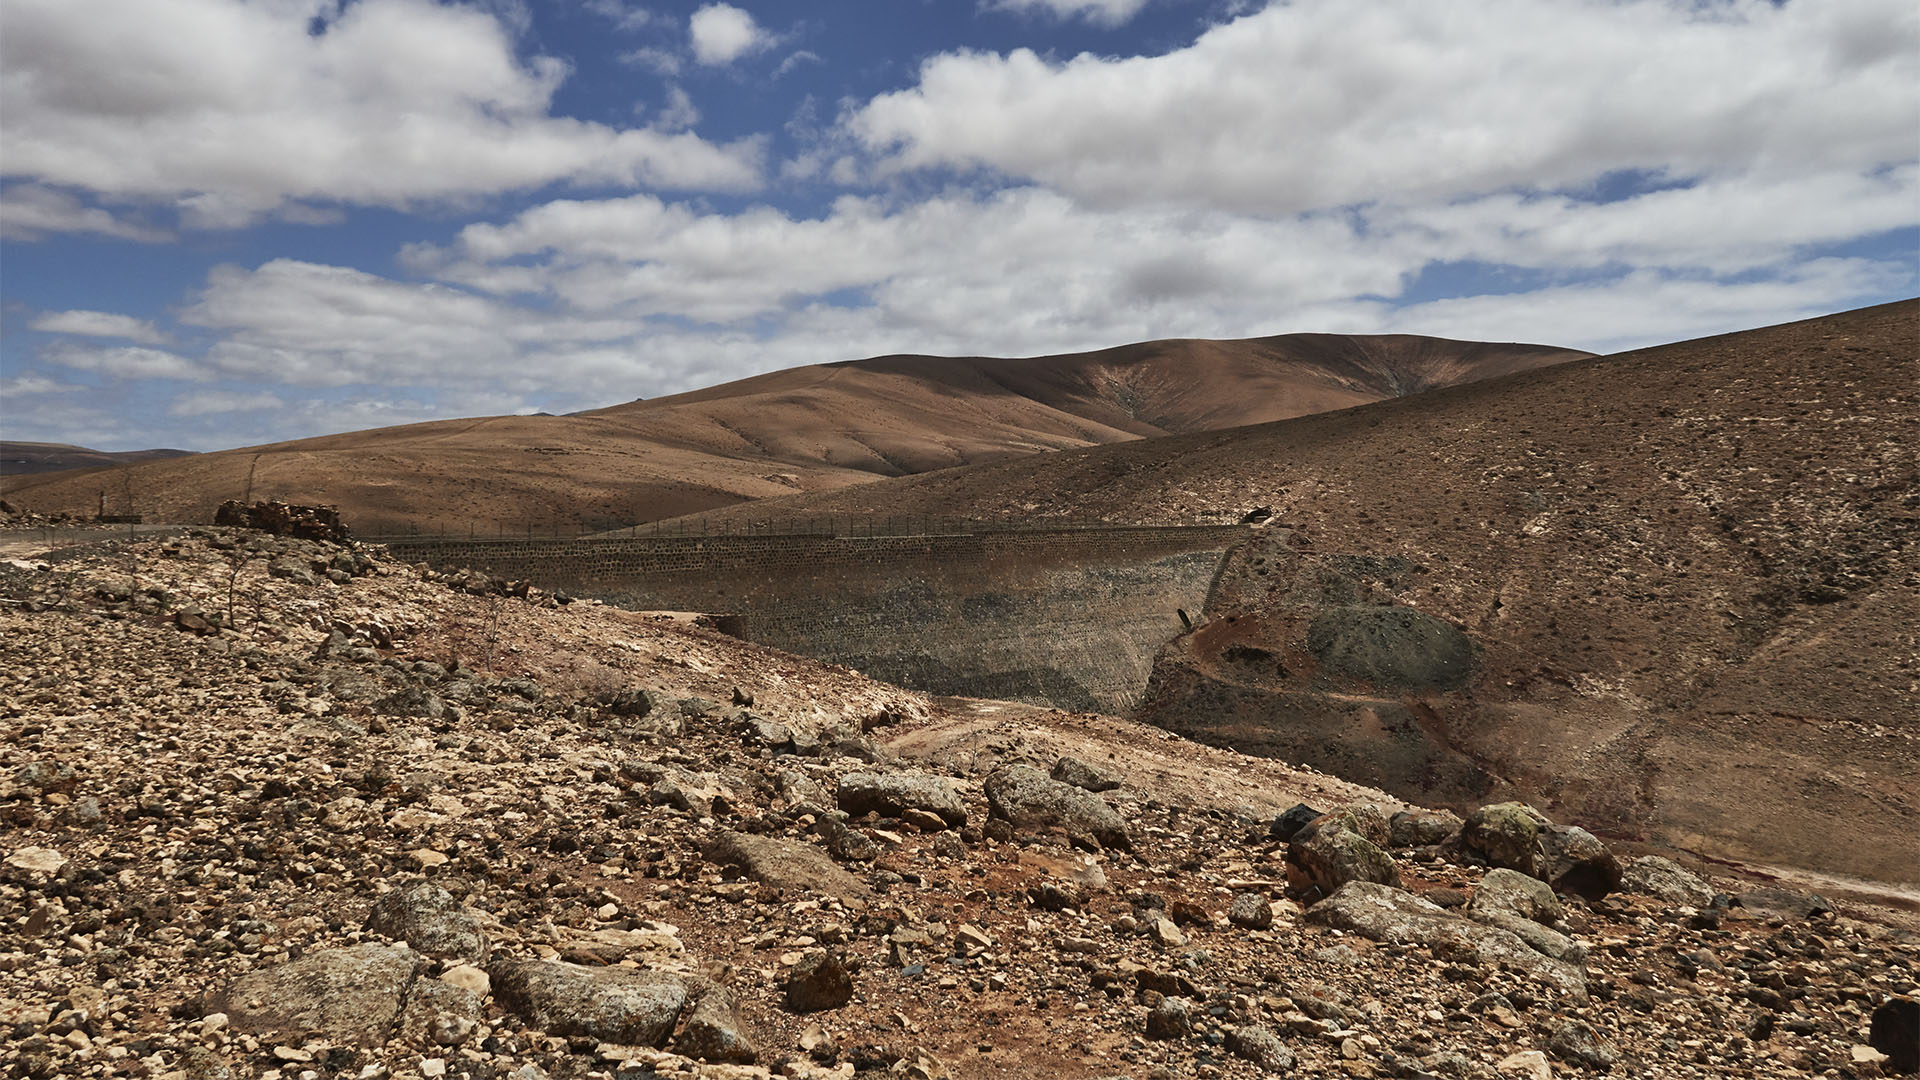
(802, 429)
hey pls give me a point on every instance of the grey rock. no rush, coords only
(1397, 917)
(434, 1004)
(1575, 861)
(1782, 903)
(1656, 876)
(819, 981)
(414, 702)
(353, 996)
(1251, 910)
(1071, 770)
(1422, 828)
(890, 794)
(845, 842)
(616, 1004)
(1328, 854)
(293, 569)
(1541, 939)
(427, 917)
(713, 1032)
(1514, 893)
(1288, 824)
(1027, 798)
(785, 864)
(1170, 1019)
(1505, 835)
(1364, 818)
(764, 732)
(1260, 1046)
(202, 1063)
(1576, 1041)
(85, 811)
(1518, 837)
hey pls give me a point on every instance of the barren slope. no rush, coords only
(805, 429)
(1688, 580)
(386, 823)
(28, 458)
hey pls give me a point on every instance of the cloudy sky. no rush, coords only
(234, 221)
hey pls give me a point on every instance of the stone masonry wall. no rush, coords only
(1071, 618)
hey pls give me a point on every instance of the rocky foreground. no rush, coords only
(288, 809)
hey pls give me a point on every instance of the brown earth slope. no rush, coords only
(30, 458)
(806, 429)
(1673, 592)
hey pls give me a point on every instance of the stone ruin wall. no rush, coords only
(1071, 618)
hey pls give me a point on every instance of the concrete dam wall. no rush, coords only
(1071, 617)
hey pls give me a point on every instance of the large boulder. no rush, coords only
(1391, 915)
(1518, 837)
(614, 1004)
(1422, 828)
(1262, 1047)
(820, 980)
(1894, 1030)
(1071, 770)
(1506, 835)
(1328, 854)
(1661, 877)
(1575, 861)
(427, 917)
(784, 864)
(1364, 818)
(1528, 909)
(352, 996)
(1514, 893)
(1027, 798)
(891, 794)
(713, 1032)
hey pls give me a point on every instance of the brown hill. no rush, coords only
(32, 458)
(805, 429)
(1674, 591)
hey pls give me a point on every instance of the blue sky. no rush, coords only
(227, 222)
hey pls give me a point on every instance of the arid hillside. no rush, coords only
(806, 429)
(1673, 593)
(30, 458)
(281, 808)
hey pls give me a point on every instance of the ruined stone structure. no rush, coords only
(1070, 617)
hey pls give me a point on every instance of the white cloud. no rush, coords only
(1324, 103)
(98, 324)
(34, 385)
(664, 62)
(1726, 225)
(624, 16)
(1101, 12)
(232, 110)
(209, 402)
(66, 420)
(677, 112)
(795, 59)
(1650, 308)
(294, 323)
(722, 33)
(124, 362)
(31, 211)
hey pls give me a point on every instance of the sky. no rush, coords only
(230, 222)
